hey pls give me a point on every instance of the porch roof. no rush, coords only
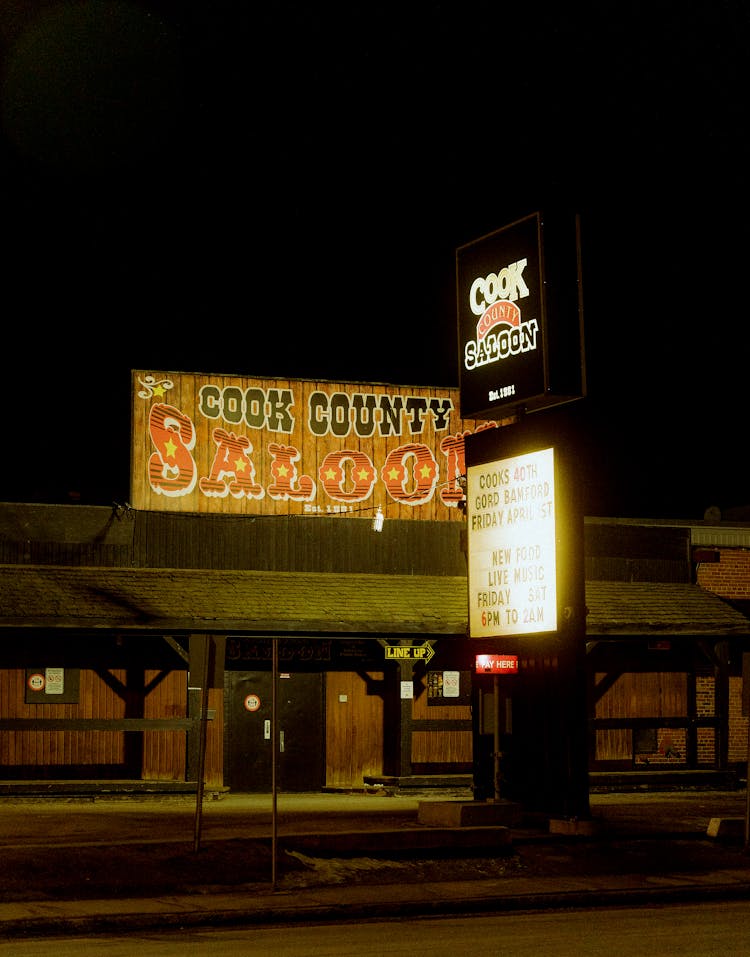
(183, 601)
(659, 608)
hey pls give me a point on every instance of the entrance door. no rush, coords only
(248, 744)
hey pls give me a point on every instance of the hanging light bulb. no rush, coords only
(377, 522)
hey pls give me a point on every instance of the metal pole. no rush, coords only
(202, 746)
(746, 714)
(496, 735)
(274, 744)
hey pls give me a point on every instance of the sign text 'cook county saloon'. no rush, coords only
(237, 445)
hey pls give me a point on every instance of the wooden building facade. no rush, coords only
(665, 687)
(129, 706)
(110, 690)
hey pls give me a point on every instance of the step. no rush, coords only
(469, 813)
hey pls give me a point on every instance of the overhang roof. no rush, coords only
(180, 601)
(659, 608)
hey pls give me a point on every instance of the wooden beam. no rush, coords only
(95, 724)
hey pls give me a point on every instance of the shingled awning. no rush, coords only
(659, 608)
(180, 601)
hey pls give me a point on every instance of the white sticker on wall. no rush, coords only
(54, 680)
(451, 684)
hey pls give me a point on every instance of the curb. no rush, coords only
(273, 915)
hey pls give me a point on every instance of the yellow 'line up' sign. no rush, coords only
(410, 652)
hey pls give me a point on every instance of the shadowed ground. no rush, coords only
(54, 849)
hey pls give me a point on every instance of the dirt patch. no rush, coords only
(320, 871)
(135, 870)
(147, 870)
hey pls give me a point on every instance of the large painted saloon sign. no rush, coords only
(520, 317)
(213, 443)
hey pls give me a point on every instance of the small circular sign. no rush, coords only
(36, 682)
(252, 702)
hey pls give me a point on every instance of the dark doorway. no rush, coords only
(248, 744)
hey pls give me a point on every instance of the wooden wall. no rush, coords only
(449, 747)
(304, 543)
(355, 731)
(158, 755)
(354, 728)
(84, 535)
(22, 751)
(655, 705)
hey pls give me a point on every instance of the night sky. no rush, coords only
(281, 190)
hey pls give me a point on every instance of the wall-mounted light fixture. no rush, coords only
(123, 510)
(378, 519)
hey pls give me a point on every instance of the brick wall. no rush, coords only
(705, 706)
(729, 578)
(738, 743)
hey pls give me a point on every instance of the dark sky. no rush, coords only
(280, 191)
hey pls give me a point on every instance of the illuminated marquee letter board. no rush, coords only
(525, 532)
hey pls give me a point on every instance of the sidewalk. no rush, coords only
(110, 866)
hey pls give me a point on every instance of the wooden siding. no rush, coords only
(658, 701)
(644, 695)
(354, 729)
(45, 749)
(614, 744)
(303, 543)
(105, 753)
(102, 537)
(441, 747)
(164, 752)
(67, 553)
(435, 746)
(636, 553)
(82, 535)
(213, 775)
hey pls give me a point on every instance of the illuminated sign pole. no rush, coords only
(512, 554)
(520, 333)
(526, 592)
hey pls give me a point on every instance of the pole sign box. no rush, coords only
(520, 322)
(525, 530)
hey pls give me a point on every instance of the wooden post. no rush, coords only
(274, 758)
(746, 713)
(205, 672)
(496, 735)
(406, 708)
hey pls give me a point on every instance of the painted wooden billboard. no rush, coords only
(235, 445)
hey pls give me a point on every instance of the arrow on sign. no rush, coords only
(423, 652)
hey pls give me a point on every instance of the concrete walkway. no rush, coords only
(638, 848)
